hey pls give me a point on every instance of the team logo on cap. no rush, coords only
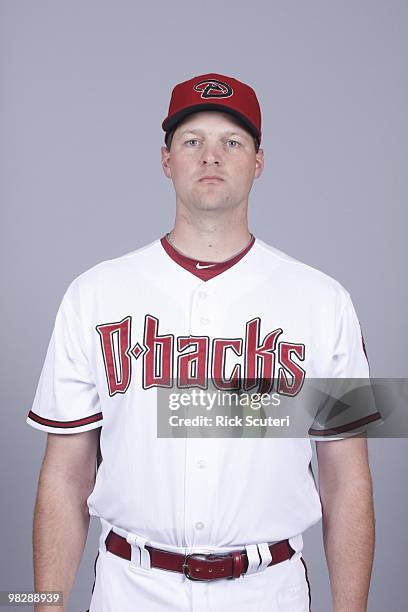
(214, 89)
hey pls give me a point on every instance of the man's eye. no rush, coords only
(233, 144)
(192, 141)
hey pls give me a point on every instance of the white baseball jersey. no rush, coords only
(135, 324)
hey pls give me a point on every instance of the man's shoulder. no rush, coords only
(296, 272)
(110, 273)
(121, 263)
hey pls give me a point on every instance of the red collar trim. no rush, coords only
(203, 272)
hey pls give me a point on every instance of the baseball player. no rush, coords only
(194, 522)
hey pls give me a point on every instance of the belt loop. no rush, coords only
(253, 558)
(105, 529)
(265, 555)
(140, 556)
(297, 544)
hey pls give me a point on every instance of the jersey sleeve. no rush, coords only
(348, 380)
(66, 400)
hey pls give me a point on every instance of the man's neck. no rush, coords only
(212, 243)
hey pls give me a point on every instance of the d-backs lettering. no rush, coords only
(193, 361)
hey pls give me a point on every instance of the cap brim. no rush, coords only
(170, 123)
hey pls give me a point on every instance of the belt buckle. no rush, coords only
(186, 570)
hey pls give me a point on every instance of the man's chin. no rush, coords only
(211, 205)
(212, 202)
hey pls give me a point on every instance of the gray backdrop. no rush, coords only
(86, 85)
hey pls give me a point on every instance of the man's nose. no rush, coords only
(210, 161)
(211, 155)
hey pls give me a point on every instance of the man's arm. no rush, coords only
(345, 489)
(61, 517)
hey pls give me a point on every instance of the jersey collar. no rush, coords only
(205, 270)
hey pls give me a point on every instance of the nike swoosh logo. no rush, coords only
(200, 267)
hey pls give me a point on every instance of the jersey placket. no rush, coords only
(200, 462)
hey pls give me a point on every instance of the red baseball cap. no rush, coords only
(215, 92)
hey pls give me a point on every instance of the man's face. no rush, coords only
(212, 162)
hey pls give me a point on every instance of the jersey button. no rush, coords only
(199, 525)
(201, 463)
(204, 321)
(202, 295)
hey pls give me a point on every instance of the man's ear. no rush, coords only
(165, 161)
(259, 163)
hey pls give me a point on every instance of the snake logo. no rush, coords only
(214, 89)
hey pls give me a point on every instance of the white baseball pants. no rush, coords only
(125, 586)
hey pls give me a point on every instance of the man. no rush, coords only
(200, 523)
